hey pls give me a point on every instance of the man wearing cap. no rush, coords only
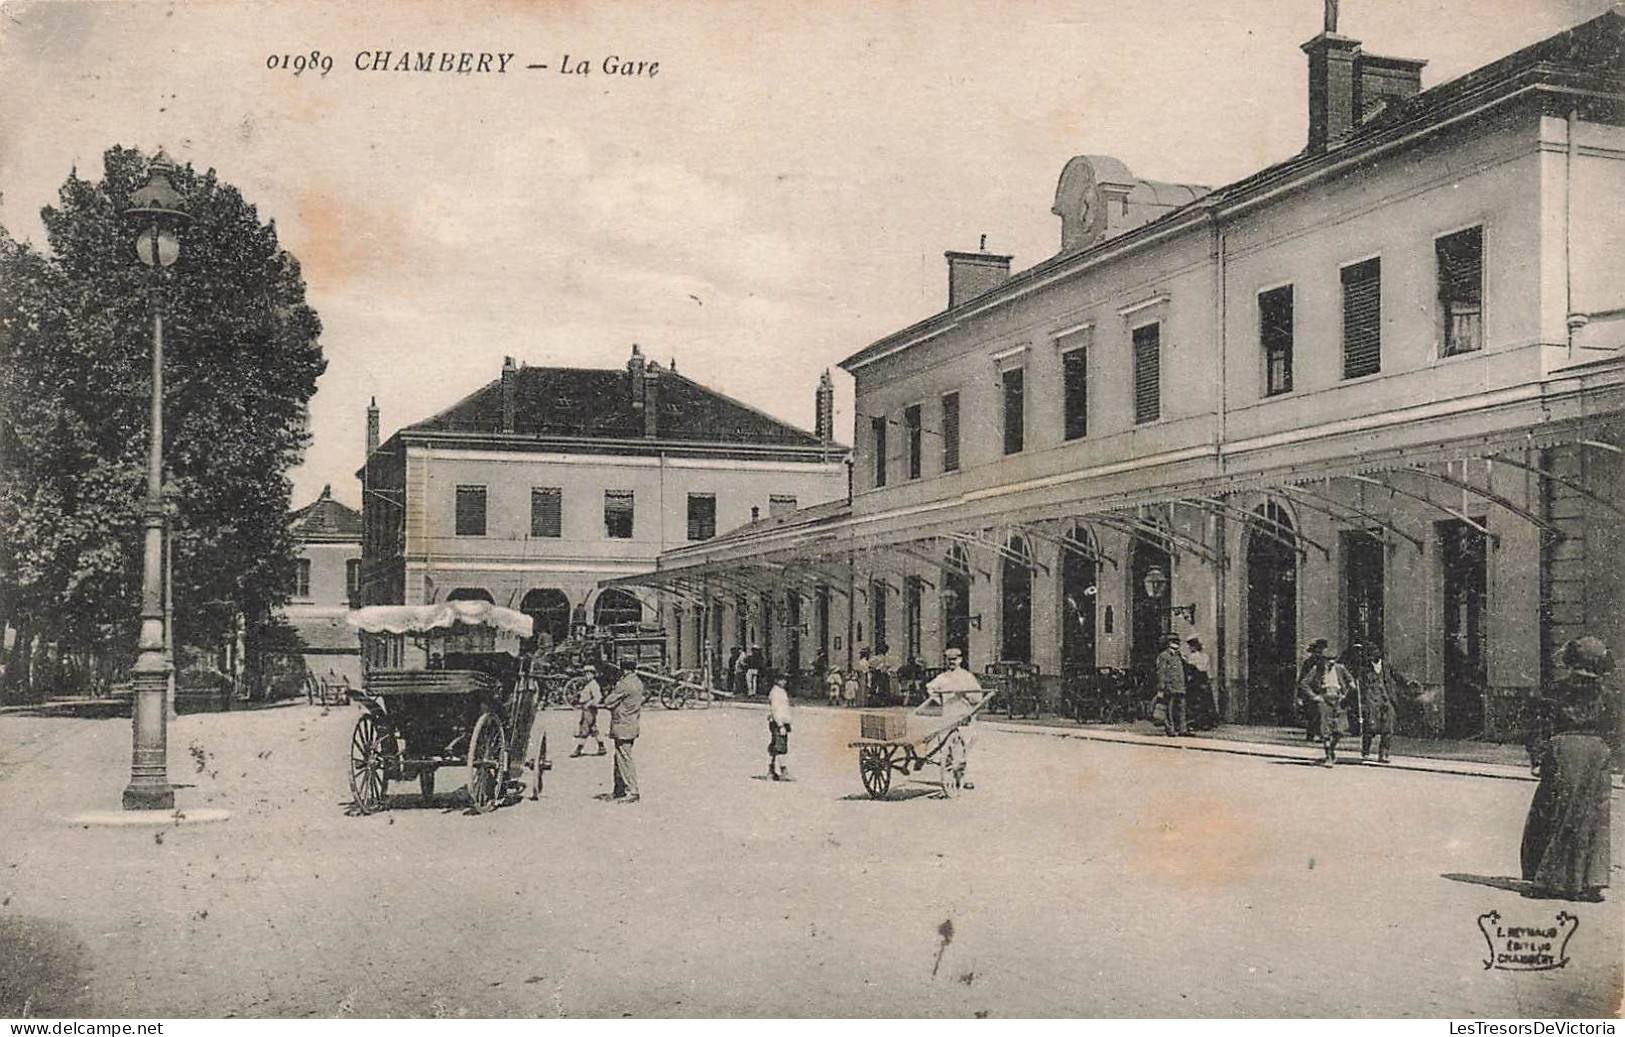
(1171, 686)
(625, 704)
(590, 699)
(958, 692)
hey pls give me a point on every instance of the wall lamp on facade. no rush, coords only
(1156, 585)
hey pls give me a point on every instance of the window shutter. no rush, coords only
(1015, 410)
(1075, 373)
(950, 432)
(470, 520)
(911, 422)
(546, 511)
(702, 516)
(1362, 319)
(1147, 373)
(618, 514)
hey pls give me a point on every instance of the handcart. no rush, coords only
(442, 688)
(682, 688)
(886, 747)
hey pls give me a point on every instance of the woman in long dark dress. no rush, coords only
(1573, 729)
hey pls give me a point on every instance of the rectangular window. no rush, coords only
(352, 580)
(1075, 379)
(702, 516)
(1275, 337)
(780, 504)
(877, 437)
(546, 511)
(877, 632)
(618, 514)
(470, 511)
(1461, 290)
(301, 578)
(911, 423)
(1147, 373)
(913, 592)
(950, 432)
(1362, 319)
(1015, 409)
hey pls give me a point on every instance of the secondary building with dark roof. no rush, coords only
(1374, 393)
(548, 480)
(326, 583)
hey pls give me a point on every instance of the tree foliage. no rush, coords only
(241, 362)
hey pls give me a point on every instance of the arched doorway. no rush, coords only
(549, 610)
(1272, 621)
(956, 603)
(1078, 597)
(471, 594)
(1016, 605)
(1151, 576)
(616, 606)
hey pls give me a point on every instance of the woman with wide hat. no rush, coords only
(1573, 728)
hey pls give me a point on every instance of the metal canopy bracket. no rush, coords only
(1430, 502)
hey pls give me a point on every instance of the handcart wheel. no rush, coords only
(542, 765)
(951, 764)
(426, 782)
(671, 698)
(487, 763)
(874, 763)
(369, 752)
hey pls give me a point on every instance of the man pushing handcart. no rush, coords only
(939, 731)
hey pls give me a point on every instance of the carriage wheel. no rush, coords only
(671, 698)
(426, 782)
(951, 764)
(874, 763)
(542, 766)
(369, 760)
(487, 763)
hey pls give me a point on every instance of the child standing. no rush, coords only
(832, 686)
(850, 688)
(778, 729)
(592, 697)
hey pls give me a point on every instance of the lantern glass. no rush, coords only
(158, 246)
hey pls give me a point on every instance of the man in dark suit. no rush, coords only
(1171, 686)
(625, 703)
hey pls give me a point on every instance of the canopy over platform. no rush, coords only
(417, 619)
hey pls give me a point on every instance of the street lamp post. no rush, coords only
(155, 209)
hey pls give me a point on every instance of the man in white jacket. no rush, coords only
(959, 692)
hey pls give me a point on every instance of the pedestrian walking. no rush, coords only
(1328, 686)
(1380, 684)
(1573, 728)
(832, 685)
(959, 692)
(1171, 686)
(590, 700)
(625, 703)
(778, 730)
(753, 670)
(1309, 674)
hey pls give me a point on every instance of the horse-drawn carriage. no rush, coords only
(442, 687)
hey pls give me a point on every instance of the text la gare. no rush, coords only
(614, 65)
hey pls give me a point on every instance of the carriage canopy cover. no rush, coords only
(418, 619)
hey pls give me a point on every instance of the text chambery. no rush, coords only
(458, 62)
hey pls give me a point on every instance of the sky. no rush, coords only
(777, 196)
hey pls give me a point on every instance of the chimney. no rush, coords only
(327, 492)
(634, 368)
(510, 393)
(755, 513)
(1347, 87)
(372, 428)
(824, 409)
(972, 273)
(651, 401)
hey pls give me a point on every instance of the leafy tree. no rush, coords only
(241, 362)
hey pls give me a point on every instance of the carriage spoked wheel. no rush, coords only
(370, 749)
(875, 764)
(487, 763)
(951, 762)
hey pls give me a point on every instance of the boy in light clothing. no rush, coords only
(778, 729)
(590, 700)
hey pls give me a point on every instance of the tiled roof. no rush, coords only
(597, 403)
(326, 519)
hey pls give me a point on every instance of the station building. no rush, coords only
(546, 481)
(1373, 393)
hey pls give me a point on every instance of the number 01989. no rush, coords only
(299, 64)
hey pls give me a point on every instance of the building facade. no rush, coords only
(548, 480)
(1374, 393)
(327, 584)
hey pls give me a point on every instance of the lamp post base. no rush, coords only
(161, 797)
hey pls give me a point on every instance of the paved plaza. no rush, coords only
(1077, 878)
